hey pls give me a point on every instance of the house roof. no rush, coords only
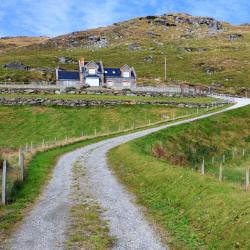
(112, 72)
(92, 63)
(68, 75)
(116, 72)
(125, 68)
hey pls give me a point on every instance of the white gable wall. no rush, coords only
(126, 74)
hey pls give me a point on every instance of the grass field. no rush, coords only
(196, 212)
(21, 124)
(112, 97)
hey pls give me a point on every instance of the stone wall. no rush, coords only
(149, 92)
(90, 103)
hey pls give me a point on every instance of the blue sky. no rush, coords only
(55, 17)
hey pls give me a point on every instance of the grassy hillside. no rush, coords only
(196, 51)
(187, 145)
(8, 43)
(198, 212)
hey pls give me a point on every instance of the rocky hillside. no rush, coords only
(199, 50)
(157, 29)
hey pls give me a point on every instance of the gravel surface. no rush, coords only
(45, 226)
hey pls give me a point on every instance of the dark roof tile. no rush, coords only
(68, 75)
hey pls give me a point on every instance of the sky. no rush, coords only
(55, 17)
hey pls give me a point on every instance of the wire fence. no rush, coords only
(14, 164)
(232, 165)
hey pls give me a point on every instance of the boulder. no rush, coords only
(66, 60)
(134, 47)
(16, 65)
(148, 59)
(234, 37)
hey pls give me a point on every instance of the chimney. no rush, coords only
(81, 65)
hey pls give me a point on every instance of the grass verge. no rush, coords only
(197, 211)
(87, 229)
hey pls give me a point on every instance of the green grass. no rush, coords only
(195, 211)
(112, 97)
(188, 144)
(21, 124)
(87, 229)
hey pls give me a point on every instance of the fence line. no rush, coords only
(232, 155)
(29, 149)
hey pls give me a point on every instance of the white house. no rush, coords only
(93, 74)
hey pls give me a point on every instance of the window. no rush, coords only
(113, 72)
(92, 71)
(126, 74)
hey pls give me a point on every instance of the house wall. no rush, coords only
(68, 83)
(120, 82)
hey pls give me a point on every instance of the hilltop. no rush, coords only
(199, 50)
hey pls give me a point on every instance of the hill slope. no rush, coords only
(199, 50)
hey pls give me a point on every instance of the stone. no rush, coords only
(66, 60)
(16, 65)
(134, 47)
(234, 37)
(148, 58)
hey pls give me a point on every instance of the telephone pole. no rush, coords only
(165, 68)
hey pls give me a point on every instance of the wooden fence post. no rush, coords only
(27, 147)
(203, 167)
(4, 182)
(149, 122)
(43, 145)
(95, 132)
(223, 159)
(31, 146)
(233, 153)
(247, 179)
(243, 152)
(21, 165)
(213, 160)
(221, 172)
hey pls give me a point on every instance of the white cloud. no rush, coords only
(53, 17)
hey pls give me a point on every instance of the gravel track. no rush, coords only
(44, 228)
